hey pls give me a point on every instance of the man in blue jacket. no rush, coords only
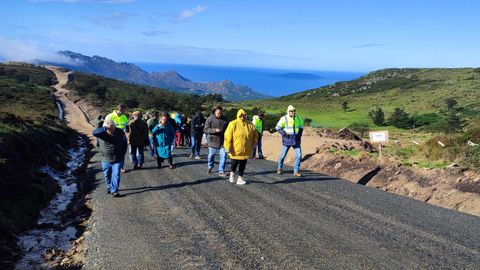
(113, 147)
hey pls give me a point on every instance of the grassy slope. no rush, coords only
(417, 90)
(106, 93)
(31, 136)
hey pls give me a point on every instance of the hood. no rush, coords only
(290, 108)
(198, 115)
(177, 115)
(240, 112)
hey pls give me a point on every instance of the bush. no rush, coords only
(454, 123)
(307, 122)
(427, 119)
(377, 116)
(400, 119)
(471, 157)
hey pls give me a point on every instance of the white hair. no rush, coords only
(108, 122)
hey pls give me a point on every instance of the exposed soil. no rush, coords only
(454, 188)
(76, 116)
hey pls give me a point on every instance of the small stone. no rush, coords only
(453, 165)
(338, 165)
(398, 172)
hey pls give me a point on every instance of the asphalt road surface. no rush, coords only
(187, 219)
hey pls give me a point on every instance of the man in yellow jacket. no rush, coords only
(240, 137)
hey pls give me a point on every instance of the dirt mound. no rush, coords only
(454, 188)
(346, 134)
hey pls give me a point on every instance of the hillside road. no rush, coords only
(185, 218)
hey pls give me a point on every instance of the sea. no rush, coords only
(273, 82)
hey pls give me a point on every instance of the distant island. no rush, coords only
(296, 76)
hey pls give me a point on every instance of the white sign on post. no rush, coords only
(379, 137)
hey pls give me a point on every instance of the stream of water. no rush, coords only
(51, 232)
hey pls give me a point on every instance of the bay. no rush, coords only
(274, 82)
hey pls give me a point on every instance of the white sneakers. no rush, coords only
(231, 179)
(240, 180)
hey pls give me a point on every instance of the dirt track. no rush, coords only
(74, 116)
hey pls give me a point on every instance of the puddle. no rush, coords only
(61, 112)
(51, 232)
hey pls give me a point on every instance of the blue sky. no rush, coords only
(303, 34)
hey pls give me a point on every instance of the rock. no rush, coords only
(367, 147)
(453, 165)
(338, 165)
(398, 172)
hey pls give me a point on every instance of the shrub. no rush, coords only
(427, 119)
(400, 119)
(377, 116)
(471, 157)
(454, 123)
(307, 122)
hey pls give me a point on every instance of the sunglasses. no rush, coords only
(293, 111)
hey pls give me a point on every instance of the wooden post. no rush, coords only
(380, 149)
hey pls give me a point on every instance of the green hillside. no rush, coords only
(105, 94)
(418, 91)
(31, 136)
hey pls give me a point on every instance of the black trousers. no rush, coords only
(160, 160)
(240, 163)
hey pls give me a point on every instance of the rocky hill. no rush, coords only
(170, 79)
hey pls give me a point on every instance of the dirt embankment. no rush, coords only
(454, 188)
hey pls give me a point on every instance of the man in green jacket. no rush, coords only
(118, 116)
(257, 121)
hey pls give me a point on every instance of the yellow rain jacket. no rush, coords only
(240, 137)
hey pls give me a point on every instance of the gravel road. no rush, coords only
(187, 219)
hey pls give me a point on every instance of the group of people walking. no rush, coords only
(240, 139)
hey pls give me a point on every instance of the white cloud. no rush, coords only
(188, 13)
(18, 50)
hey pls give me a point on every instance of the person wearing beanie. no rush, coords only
(290, 127)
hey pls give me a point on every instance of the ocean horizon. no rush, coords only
(274, 82)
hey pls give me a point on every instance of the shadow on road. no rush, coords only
(168, 186)
(313, 178)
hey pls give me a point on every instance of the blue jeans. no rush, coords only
(298, 157)
(196, 144)
(152, 148)
(136, 155)
(259, 147)
(211, 158)
(111, 171)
